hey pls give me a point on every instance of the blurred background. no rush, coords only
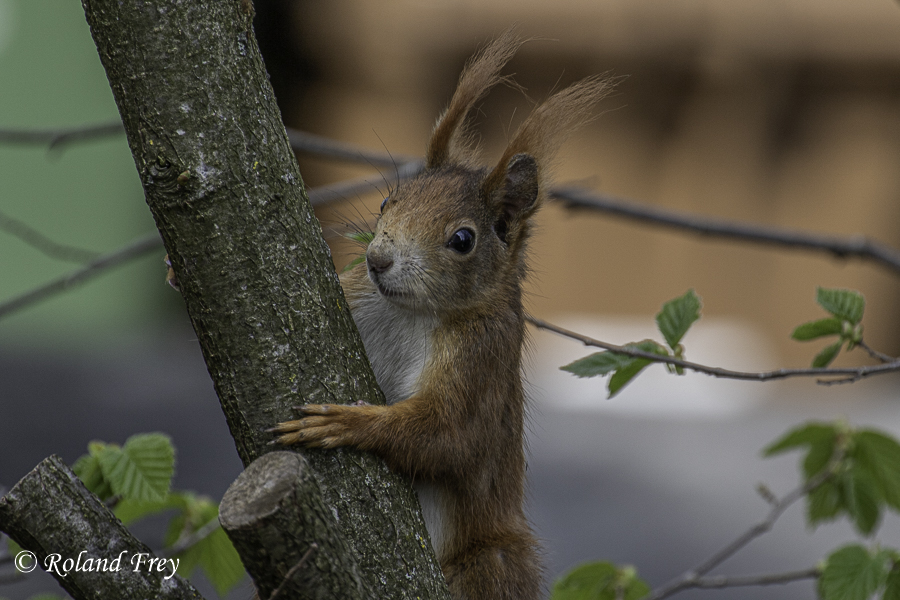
(780, 112)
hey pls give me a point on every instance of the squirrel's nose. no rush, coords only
(379, 264)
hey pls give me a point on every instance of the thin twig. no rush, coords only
(56, 138)
(848, 373)
(96, 267)
(354, 187)
(691, 577)
(310, 143)
(724, 581)
(885, 358)
(301, 141)
(856, 246)
(293, 570)
(42, 243)
(186, 541)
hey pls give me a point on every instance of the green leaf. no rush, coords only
(818, 457)
(847, 305)
(892, 583)
(630, 369)
(852, 573)
(599, 581)
(677, 316)
(625, 374)
(809, 434)
(87, 467)
(824, 358)
(816, 329)
(130, 510)
(599, 363)
(824, 503)
(861, 501)
(586, 582)
(142, 469)
(879, 456)
(221, 562)
(214, 554)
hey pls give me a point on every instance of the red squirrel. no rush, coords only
(438, 302)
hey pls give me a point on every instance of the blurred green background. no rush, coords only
(86, 194)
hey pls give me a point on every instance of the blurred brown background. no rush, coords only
(774, 112)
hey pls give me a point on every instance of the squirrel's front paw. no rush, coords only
(322, 426)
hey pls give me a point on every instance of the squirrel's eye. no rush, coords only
(383, 202)
(462, 240)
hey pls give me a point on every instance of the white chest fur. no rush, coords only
(397, 342)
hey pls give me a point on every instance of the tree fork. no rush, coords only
(256, 276)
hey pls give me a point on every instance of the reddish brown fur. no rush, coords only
(444, 330)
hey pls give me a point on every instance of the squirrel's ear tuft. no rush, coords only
(518, 183)
(480, 74)
(517, 198)
(542, 132)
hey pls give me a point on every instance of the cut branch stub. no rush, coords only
(274, 515)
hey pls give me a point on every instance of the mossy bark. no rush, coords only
(79, 541)
(257, 278)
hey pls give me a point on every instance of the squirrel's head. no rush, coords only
(453, 238)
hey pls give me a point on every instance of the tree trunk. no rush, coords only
(257, 278)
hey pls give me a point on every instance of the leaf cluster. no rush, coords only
(136, 479)
(846, 308)
(673, 322)
(856, 471)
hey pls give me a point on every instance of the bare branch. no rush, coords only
(42, 243)
(856, 246)
(846, 374)
(355, 187)
(310, 143)
(142, 246)
(724, 581)
(96, 267)
(186, 541)
(695, 577)
(301, 141)
(881, 356)
(56, 138)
